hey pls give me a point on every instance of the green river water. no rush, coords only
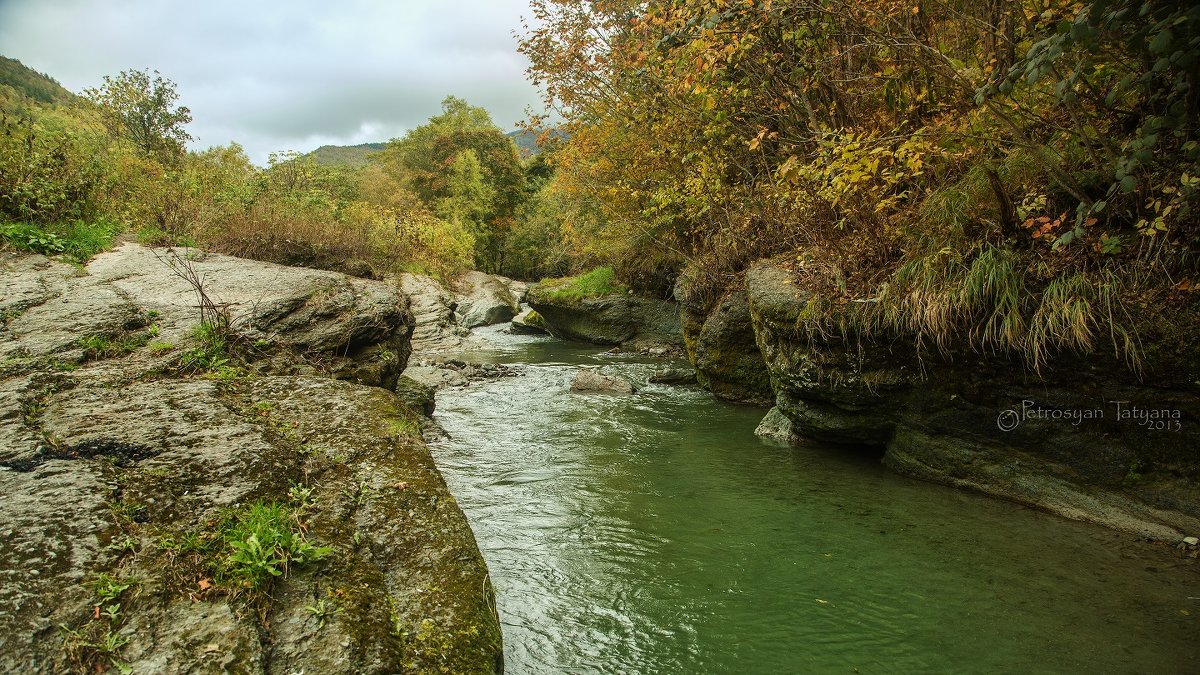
(655, 533)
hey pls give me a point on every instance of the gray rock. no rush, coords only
(593, 381)
(674, 376)
(414, 394)
(722, 347)
(484, 299)
(432, 309)
(529, 322)
(609, 320)
(776, 426)
(107, 464)
(936, 416)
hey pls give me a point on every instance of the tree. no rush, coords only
(141, 109)
(462, 166)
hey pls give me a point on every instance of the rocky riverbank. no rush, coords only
(1085, 438)
(248, 497)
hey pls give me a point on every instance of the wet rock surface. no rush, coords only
(122, 472)
(722, 347)
(594, 381)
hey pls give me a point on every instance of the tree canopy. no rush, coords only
(142, 109)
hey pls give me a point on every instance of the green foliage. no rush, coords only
(53, 166)
(212, 352)
(28, 237)
(355, 156)
(78, 240)
(1015, 176)
(263, 541)
(463, 168)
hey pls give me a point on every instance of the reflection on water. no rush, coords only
(655, 534)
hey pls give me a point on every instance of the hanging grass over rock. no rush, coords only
(598, 282)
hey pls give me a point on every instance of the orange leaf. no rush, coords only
(205, 584)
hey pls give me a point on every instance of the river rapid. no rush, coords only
(654, 533)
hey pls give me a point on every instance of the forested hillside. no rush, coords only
(356, 156)
(31, 84)
(1018, 175)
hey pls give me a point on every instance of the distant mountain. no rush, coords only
(345, 155)
(31, 83)
(526, 141)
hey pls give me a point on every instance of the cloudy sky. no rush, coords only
(287, 75)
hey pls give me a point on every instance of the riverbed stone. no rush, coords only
(484, 299)
(593, 381)
(529, 322)
(673, 376)
(776, 426)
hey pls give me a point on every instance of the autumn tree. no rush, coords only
(911, 148)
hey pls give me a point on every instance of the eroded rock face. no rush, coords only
(721, 346)
(776, 426)
(609, 320)
(118, 470)
(943, 418)
(529, 322)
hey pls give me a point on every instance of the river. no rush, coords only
(655, 533)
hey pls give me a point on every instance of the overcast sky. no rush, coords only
(287, 75)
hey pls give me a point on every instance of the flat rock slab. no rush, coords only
(110, 462)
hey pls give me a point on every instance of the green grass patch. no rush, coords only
(79, 240)
(598, 282)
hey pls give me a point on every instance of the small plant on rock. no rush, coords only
(264, 540)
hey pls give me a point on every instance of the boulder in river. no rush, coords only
(593, 381)
(674, 376)
(484, 299)
(776, 426)
(618, 319)
(529, 322)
